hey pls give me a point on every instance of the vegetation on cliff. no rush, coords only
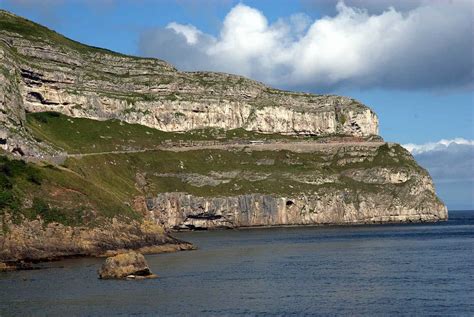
(55, 194)
(208, 172)
(82, 135)
(103, 183)
(109, 181)
(54, 73)
(206, 135)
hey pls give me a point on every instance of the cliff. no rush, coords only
(48, 212)
(350, 184)
(43, 71)
(96, 144)
(241, 180)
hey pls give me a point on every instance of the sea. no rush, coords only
(376, 270)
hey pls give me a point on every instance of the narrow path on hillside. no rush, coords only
(302, 146)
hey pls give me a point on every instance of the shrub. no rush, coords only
(52, 214)
(34, 177)
(10, 169)
(7, 199)
(45, 116)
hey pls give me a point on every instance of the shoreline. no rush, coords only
(176, 244)
(34, 241)
(316, 225)
(29, 264)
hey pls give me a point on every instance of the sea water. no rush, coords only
(411, 269)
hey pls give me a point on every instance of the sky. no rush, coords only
(412, 61)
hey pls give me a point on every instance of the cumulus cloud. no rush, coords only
(451, 164)
(429, 46)
(441, 145)
(189, 32)
(447, 160)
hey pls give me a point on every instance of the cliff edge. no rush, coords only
(90, 137)
(44, 71)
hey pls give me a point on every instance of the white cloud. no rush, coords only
(441, 145)
(429, 46)
(451, 164)
(189, 32)
(448, 161)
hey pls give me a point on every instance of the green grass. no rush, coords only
(55, 194)
(116, 172)
(11, 173)
(165, 170)
(79, 135)
(105, 185)
(395, 157)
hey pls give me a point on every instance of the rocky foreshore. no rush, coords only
(33, 241)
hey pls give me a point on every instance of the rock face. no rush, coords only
(346, 184)
(184, 211)
(35, 241)
(126, 265)
(358, 180)
(43, 71)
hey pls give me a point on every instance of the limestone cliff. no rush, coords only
(205, 149)
(184, 211)
(43, 71)
(366, 184)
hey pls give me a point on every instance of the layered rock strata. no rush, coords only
(344, 184)
(43, 71)
(183, 211)
(352, 185)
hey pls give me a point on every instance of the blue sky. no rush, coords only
(412, 64)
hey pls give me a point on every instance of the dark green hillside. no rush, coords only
(55, 194)
(202, 172)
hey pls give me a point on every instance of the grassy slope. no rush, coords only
(79, 135)
(55, 194)
(117, 172)
(91, 187)
(164, 171)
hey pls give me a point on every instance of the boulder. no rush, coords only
(131, 265)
